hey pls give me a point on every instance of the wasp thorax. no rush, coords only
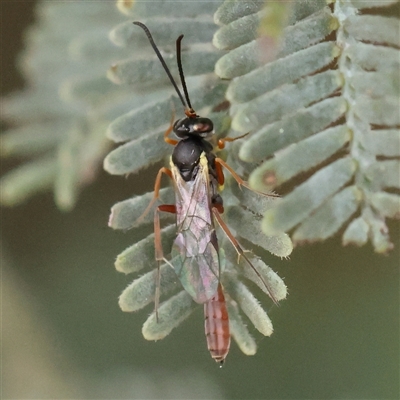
(186, 157)
(196, 126)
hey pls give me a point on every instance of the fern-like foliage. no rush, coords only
(326, 111)
(154, 101)
(58, 122)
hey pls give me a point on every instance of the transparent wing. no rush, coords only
(196, 243)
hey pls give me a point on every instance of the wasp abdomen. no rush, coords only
(217, 326)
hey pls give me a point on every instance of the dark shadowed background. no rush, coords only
(64, 336)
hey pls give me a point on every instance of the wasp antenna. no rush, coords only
(181, 74)
(163, 63)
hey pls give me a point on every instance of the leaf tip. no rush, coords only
(150, 331)
(267, 224)
(125, 6)
(124, 303)
(334, 23)
(109, 163)
(112, 74)
(356, 233)
(112, 217)
(336, 51)
(120, 263)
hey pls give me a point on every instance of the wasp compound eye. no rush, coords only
(201, 127)
(181, 127)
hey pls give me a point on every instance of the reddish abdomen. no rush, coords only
(217, 326)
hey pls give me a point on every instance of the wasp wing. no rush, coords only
(196, 245)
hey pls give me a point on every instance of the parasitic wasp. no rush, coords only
(197, 176)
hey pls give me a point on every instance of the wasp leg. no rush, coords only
(157, 186)
(220, 174)
(170, 208)
(221, 142)
(167, 139)
(238, 179)
(241, 253)
(158, 248)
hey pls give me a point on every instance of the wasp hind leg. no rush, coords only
(159, 254)
(157, 186)
(241, 252)
(163, 170)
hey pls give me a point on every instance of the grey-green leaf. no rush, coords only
(239, 61)
(170, 315)
(152, 9)
(372, 3)
(140, 72)
(248, 226)
(21, 183)
(292, 128)
(238, 32)
(137, 154)
(232, 10)
(284, 70)
(356, 233)
(384, 142)
(374, 28)
(239, 331)
(308, 32)
(285, 100)
(249, 304)
(301, 157)
(378, 232)
(329, 218)
(32, 139)
(129, 213)
(307, 197)
(379, 112)
(387, 204)
(144, 120)
(372, 57)
(274, 281)
(141, 254)
(198, 30)
(141, 291)
(384, 174)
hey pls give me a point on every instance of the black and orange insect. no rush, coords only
(197, 175)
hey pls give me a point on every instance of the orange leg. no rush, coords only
(157, 230)
(158, 249)
(169, 130)
(221, 142)
(219, 207)
(238, 179)
(220, 173)
(240, 252)
(157, 186)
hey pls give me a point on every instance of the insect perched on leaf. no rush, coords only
(197, 175)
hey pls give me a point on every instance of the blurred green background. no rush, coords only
(64, 336)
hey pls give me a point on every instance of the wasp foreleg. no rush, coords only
(221, 142)
(167, 139)
(239, 180)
